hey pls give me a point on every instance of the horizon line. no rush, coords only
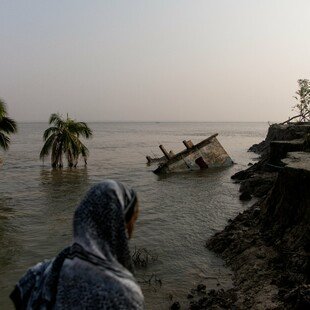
(116, 121)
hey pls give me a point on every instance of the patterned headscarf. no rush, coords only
(93, 272)
(99, 221)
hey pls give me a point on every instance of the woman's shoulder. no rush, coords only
(103, 286)
(78, 270)
(29, 283)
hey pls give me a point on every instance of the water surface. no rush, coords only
(178, 213)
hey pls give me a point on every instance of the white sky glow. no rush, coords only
(154, 60)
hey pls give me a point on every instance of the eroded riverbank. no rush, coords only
(267, 246)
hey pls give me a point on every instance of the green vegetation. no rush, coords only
(303, 102)
(7, 127)
(62, 138)
(303, 98)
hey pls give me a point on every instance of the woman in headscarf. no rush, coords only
(95, 271)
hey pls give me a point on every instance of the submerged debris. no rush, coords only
(152, 280)
(142, 257)
(208, 153)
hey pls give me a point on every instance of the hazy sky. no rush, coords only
(159, 60)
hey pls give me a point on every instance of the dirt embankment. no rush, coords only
(278, 132)
(267, 246)
(259, 178)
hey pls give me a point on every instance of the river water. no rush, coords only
(177, 213)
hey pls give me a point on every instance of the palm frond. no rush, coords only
(50, 131)
(79, 128)
(8, 125)
(84, 150)
(66, 140)
(57, 152)
(4, 141)
(2, 108)
(73, 143)
(84, 130)
(48, 145)
(56, 119)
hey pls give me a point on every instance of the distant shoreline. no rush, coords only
(159, 122)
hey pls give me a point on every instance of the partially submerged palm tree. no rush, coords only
(7, 127)
(63, 139)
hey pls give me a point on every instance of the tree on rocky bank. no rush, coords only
(303, 102)
(303, 98)
(7, 126)
(63, 139)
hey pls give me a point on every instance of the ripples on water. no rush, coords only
(178, 213)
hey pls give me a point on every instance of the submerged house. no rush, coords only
(208, 153)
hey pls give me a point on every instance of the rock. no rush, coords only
(242, 175)
(261, 255)
(259, 184)
(299, 297)
(278, 132)
(194, 306)
(256, 212)
(219, 299)
(259, 148)
(201, 287)
(280, 140)
(175, 306)
(212, 293)
(245, 196)
(193, 291)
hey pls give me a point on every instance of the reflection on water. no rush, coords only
(5, 211)
(194, 174)
(8, 238)
(55, 182)
(66, 176)
(178, 212)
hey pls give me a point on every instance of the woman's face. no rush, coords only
(130, 225)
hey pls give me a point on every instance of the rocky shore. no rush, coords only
(267, 246)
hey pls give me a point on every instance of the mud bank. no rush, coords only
(259, 178)
(277, 132)
(267, 246)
